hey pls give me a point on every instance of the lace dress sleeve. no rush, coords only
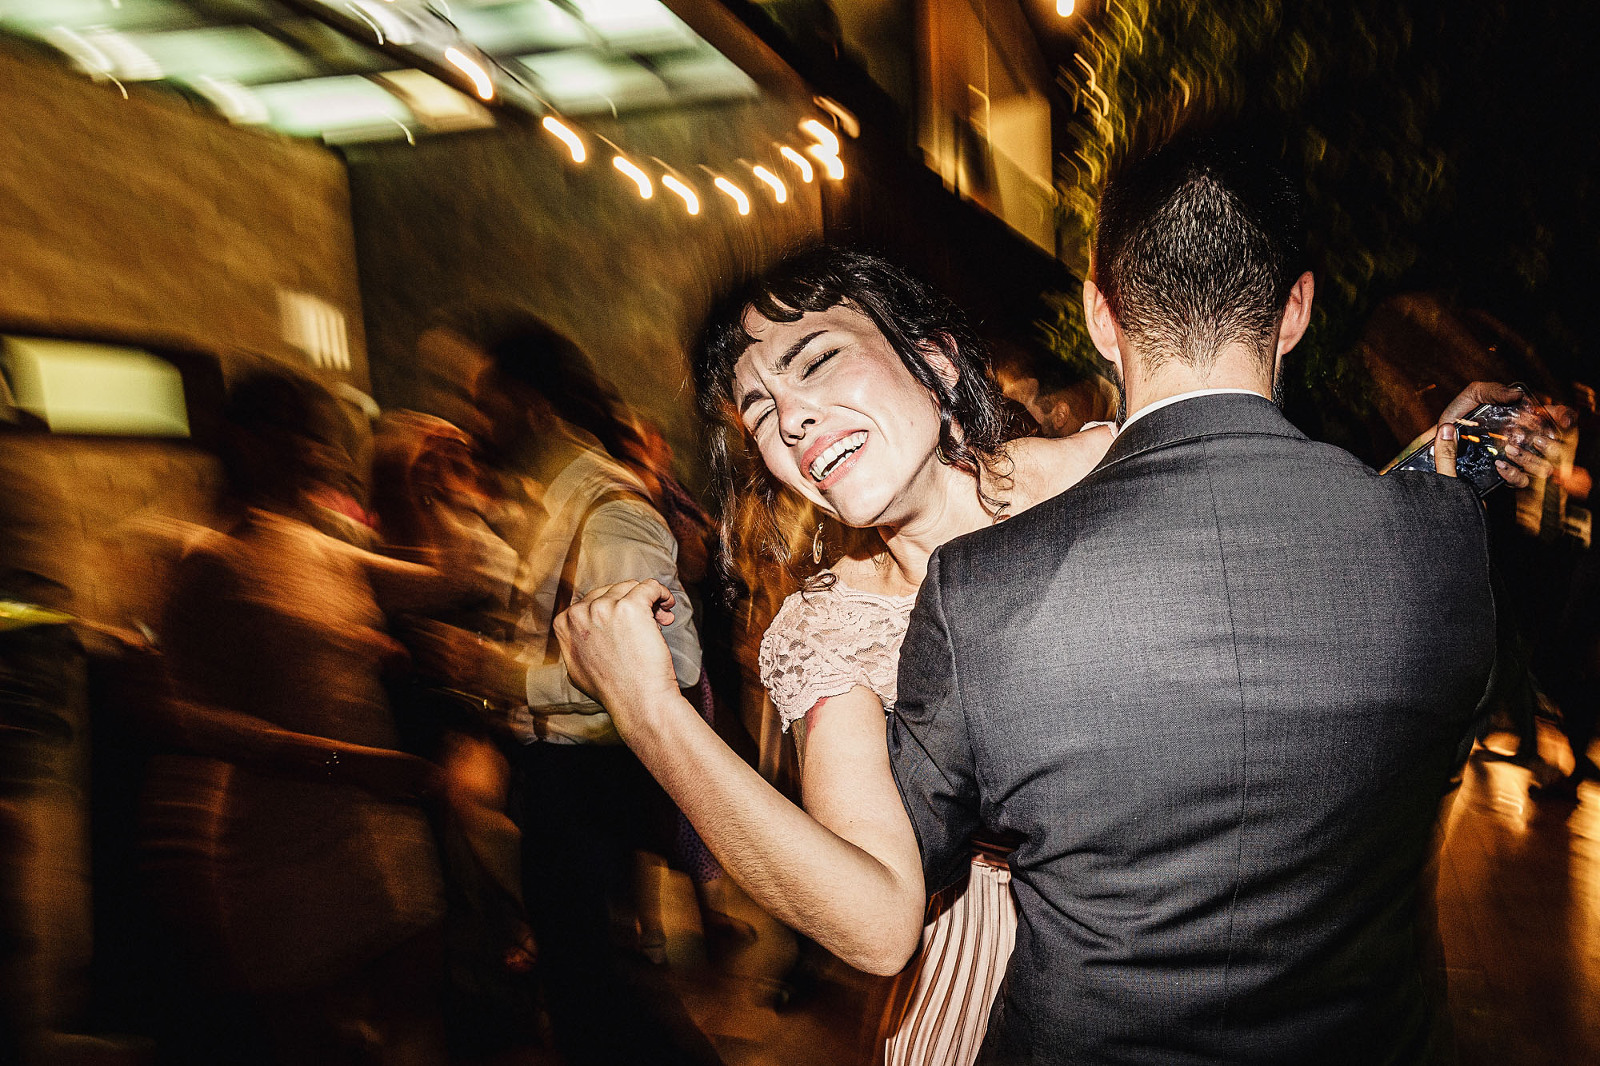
(799, 664)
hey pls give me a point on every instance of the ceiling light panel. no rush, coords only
(235, 53)
(128, 16)
(581, 82)
(640, 26)
(703, 73)
(339, 110)
(514, 29)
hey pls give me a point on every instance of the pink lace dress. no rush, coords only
(823, 644)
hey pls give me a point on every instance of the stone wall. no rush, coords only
(142, 219)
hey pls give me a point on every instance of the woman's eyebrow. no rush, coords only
(795, 349)
(780, 366)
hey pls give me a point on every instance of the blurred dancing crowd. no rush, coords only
(358, 812)
(367, 817)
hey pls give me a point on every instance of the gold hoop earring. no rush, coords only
(816, 545)
(940, 454)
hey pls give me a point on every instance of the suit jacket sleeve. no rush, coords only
(929, 746)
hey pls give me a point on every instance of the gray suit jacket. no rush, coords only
(1217, 689)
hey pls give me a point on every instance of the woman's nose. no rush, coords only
(795, 419)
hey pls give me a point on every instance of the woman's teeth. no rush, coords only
(836, 454)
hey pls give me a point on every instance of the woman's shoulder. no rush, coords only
(828, 639)
(1046, 466)
(829, 607)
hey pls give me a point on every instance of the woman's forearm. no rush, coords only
(862, 909)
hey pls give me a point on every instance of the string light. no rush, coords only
(736, 193)
(639, 177)
(469, 66)
(1064, 8)
(825, 138)
(801, 163)
(832, 165)
(779, 193)
(568, 138)
(826, 150)
(690, 201)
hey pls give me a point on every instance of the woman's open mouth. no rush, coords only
(833, 458)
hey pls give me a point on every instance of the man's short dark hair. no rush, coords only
(1196, 247)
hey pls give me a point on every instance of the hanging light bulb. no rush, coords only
(640, 178)
(1064, 8)
(690, 201)
(825, 138)
(800, 162)
(735, 193)
(779, 192)
(481, 82)
(826, 150)
(832, 165)
(567, 137)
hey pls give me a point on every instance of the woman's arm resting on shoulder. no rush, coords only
(847, 874)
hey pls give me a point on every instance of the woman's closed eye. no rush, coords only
(816, 363)
(761, 418)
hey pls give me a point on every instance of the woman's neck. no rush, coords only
(950, 512)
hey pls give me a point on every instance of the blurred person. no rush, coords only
(285, 837)
(1059, 402)
(1574, 653)
(585, 803)
(648, 455)
(838, 379)
(432, 499)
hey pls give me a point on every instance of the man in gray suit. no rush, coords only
(1217, 689)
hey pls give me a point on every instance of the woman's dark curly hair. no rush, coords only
(757, 516)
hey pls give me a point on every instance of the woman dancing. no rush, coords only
(838, 380)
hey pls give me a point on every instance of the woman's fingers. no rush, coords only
(650, 594)
(1512, 474)
(1526, 459)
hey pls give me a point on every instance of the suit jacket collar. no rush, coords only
(1202, 416)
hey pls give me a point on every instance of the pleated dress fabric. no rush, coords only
(822, 643)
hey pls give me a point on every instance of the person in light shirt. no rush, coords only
(586, 804)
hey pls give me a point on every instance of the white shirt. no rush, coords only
(1180, 397)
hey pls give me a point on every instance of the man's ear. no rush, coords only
(1296, 313)
(1102, 325)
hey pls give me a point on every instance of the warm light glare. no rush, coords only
(825, 138)
(1064, 7)
(480, 77)
(639, 177)
(801, 163)
(737, 193)
(832, 165)
(690, 200)
(779, 193)
(568, 138)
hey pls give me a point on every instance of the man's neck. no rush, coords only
(1231, 370)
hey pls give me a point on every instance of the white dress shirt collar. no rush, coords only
(1179, 398)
